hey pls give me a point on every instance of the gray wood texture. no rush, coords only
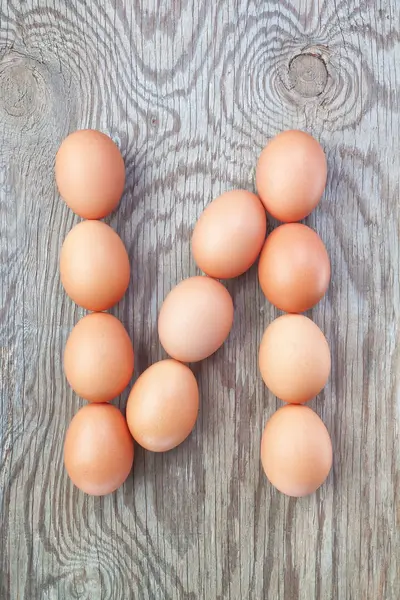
(191, 91)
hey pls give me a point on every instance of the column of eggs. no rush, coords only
(294, 274)
(95, 273)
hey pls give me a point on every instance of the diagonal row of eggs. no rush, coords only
(196, 316)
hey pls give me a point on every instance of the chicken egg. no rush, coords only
(94, 266)
(90, 173)
(195, 319)
(294, 359)
(229, 234)
(296, 451)
(98, 449)
(163, 406)
(291, 175)
(98, 358)
(294, 268)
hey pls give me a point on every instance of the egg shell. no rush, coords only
(296, 451)
(90, 173)
(98, 449)
(98, 358)
(294, 359)
(291, 175)
(195, 319)
(294, 268)
(163, 406)
(229, 234)
(94, 266)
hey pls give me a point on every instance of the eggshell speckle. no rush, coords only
(229, 234)
(294, 359)
(90, 173)
(294, 268)
(291, 175)
(163, 406)
(94, 266)
(195, 319)
(98, 358)
(98, 449)
(296, 451)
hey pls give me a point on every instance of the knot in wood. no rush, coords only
(308, 75)
(20, 86)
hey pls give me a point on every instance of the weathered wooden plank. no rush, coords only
(191, 92)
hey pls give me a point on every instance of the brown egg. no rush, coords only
(98, 449)
(163, 406)
(291, 175)
(229, 234)
(98, 358)
(296, 451)
(294, 268)
(195, 319)
(94, 266)
(90, 173)
(294, 359)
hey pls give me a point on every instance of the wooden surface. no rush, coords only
(191, 91)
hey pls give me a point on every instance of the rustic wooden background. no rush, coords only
(191, 91)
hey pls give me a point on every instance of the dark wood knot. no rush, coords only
(308, 75)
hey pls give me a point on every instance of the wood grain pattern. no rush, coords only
(191, 92)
